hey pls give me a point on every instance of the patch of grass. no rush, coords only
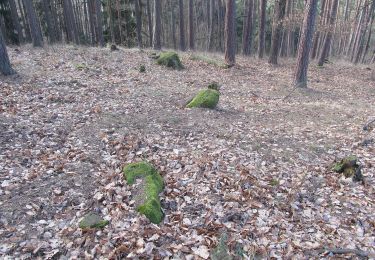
(81, 66)
(274, 182)
(208, 60)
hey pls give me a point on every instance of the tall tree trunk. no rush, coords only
(173, 26)
(149, 19)
(91, 11)
(314, 51)
(211, 29)
(36, 33)
(248, 29)
(230, 33)
(24, 21)
(15, 21)
(191, 25)
(157, 25)
(262, 28)
(139, 23)
(277, 30)
(327, 41)
(300, 75)
(98, 8)
(5, 67)
(50, 25)
(119, 18)
(111, 22)
(182, 26)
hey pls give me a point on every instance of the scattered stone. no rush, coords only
(142, 68)
(207, 98)
(350, 167)
(114, 47)
(169, 59)
(93, 220)
(146, 194)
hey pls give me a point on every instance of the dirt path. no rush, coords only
(256, 168)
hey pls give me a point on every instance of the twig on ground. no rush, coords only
(339, 251)
(367, 126)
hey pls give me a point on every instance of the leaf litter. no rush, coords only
(257, 168)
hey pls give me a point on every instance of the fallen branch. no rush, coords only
(339, 251)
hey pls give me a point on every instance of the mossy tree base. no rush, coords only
(146, 194)
(207, 98)
(169, 59)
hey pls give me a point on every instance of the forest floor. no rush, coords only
(256, 170)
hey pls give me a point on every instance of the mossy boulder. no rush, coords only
(350, 167)
(169, 59)
(146, 194)
(93, 220)
(207, 98)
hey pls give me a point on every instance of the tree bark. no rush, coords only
(98, 7)
(230, 33)
(327, 41)
(182, 26)
(248, 29)
(15, 21)
(300, 75)
(149, 19)
(50, 25)
(191, 26)
(5, 67)
(139, 23)
(262, 28)
(277, 30)
(36, 33)
(157, 25)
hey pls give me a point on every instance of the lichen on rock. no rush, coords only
(146, 193)
(169, 59)
(93, 220)
(207, 98)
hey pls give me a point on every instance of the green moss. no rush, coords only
(207, 98)
(81, 66)
(169, 59)
(148, 202)
(345, 163)
(92, 220)
(221, 252)
(274, 182)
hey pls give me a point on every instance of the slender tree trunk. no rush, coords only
(211, 29)
(191, 25)
(182, 26)
(248, 29)
(36, 33)
(317, 34)
(5, 67)
(300, 76)
(99, 21)
(173, 27)
(24, 21)
(327, 41)
(91, 11)
(277, 30)
(230, 33)
(157, 25)
(262, 28)
(139, 23)
(15, 21)
(149, 19)
(111, 22)
(50, 27)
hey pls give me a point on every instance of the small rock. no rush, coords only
(92, 220)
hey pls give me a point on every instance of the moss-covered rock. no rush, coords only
(146, 194)
(169, 59)
(142, 68)
(214, 85)
(93, 220)
(350, 167)
(207, 98)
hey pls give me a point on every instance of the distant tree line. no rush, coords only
(342, 28)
